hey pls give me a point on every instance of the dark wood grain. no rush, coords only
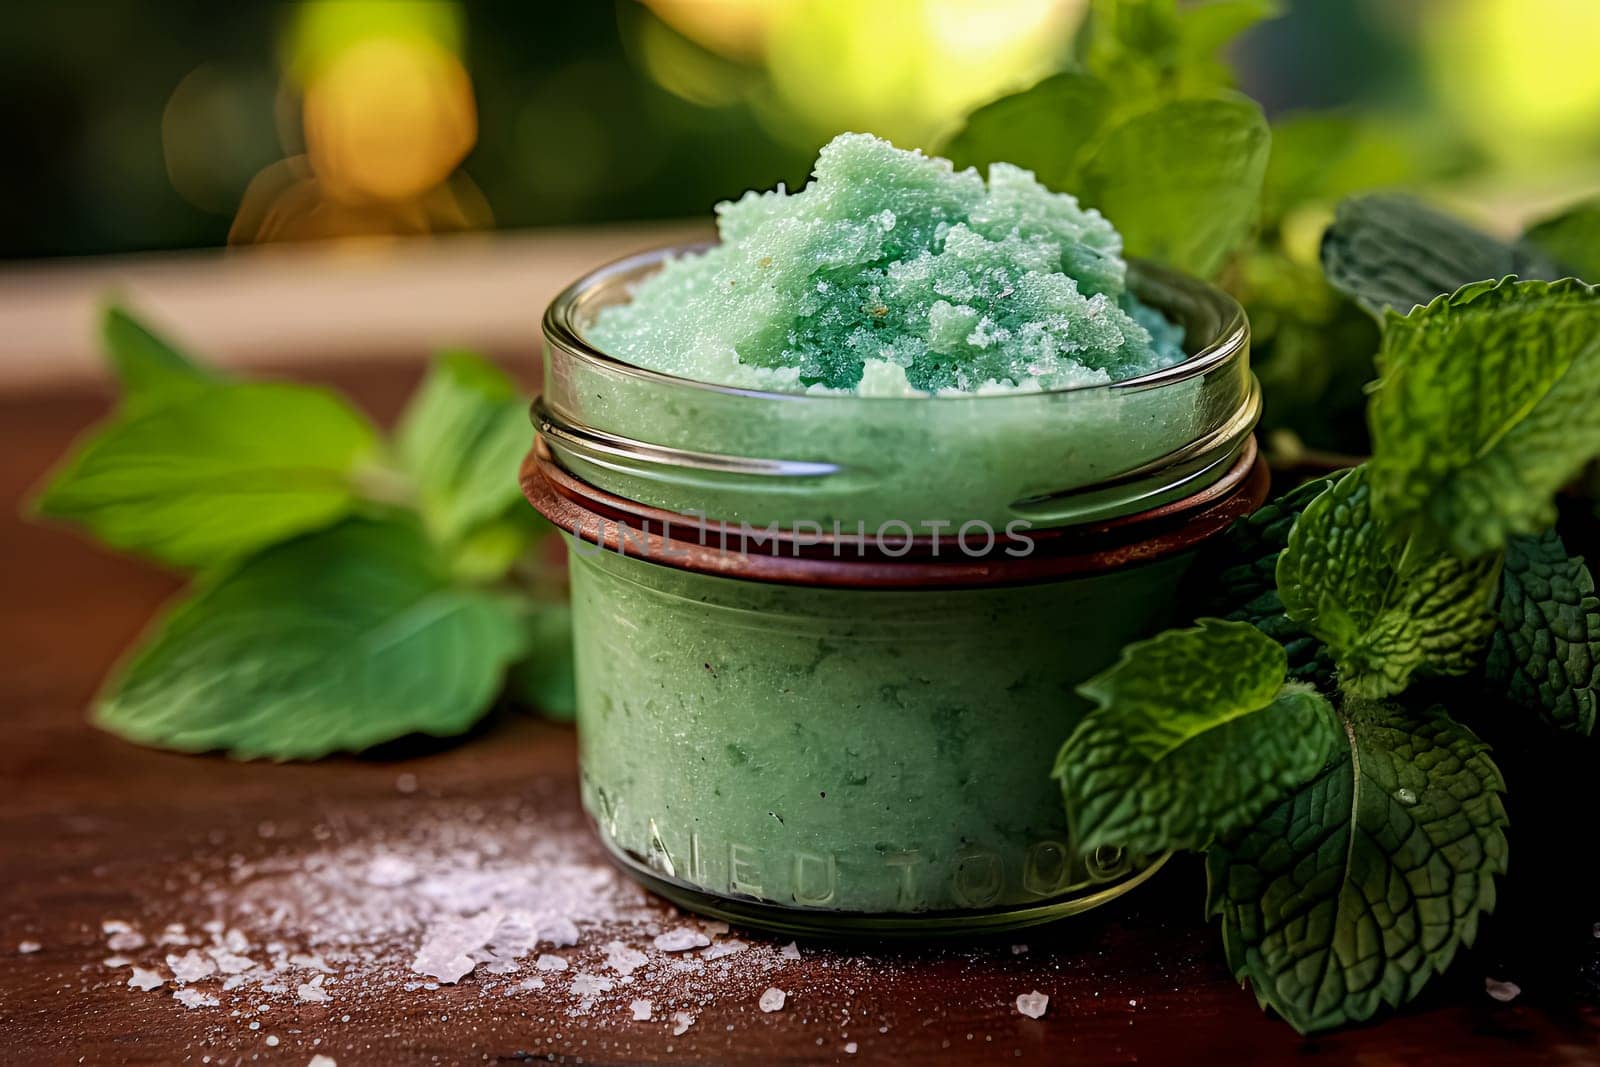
(92, 827)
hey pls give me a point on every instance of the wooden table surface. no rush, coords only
(93, 828)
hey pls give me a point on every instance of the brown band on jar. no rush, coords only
(696, 543)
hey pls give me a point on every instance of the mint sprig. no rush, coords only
(1194, 734)
(1384, 611)
(1355, 891)
(1484, 408)
(1545, 656)
(349, 590)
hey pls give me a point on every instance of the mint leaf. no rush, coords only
(1240, 571)
(1043, 129)
(1571, 239)
(1194, 733)
(1546, 652)
(1485, 407)
(150, 369)
(215, 473)
(336, 641)
(463, 438)
(1155, 47)
(1390, 251)
(1183, 180)
(1353, 892)
(1323, 157)
(546, 678)
(1383, 615)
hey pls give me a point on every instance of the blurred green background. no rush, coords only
(132, 126)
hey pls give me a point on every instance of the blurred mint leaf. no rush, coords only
(215, 473)
(1158, 47)
(1390, 251)
(1239, 572)
(463, 438)
(1182, 181)
(545, 679)
(1384, 614)
(335, 641)
(1484, 408)
(151, 369)
(1357, 889)
(1194, 734)
(1043, 129)
(1571, 239)
(1546, 652)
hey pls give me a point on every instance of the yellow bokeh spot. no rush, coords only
(1521, 74)
(388, 118)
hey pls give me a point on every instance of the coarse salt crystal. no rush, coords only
(193, 998)
(1504, 992)
(272, 1040)
(446, 951)
(623, 959)
(320, 1060)
(681, 1021)
(723, 948)
(558, 931)
(642, 1010)
(682, 939)
(850, 1048)
(192, 966)
(1033, 1004)
(125, 941)
(389, 871)
(27, 948)
(145, 978)
(791, 951)
(547, 962)
(312, 992)
(773, 999)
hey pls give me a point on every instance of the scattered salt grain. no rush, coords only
(120, 937)
(1504, 992)
(312, 992)
(547, 962)
(27, 948)
(192, 966)
(791, 951)
(1033, 1004)
(558, 931)
(624, 960)
(272, 1040)
(772, 1000)
(406, 783)
(446, 950)
(531, 984)
(681, 1021)
(115, 961)
(589, 985)
(323, 1061)
(723, 948)
(388, 871)
(642, 1010)
(230, 963)
(193, 998)
(145, 978)
(850, 1048)
(682, 939)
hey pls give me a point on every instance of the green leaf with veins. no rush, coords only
(151, 369)
(1239, 572)
(215, 473)
(1182, 180)
(1571, 239)
(336, 641)
(463, 438)
(1545, 653)
(1353, 892)
(1194, 734)
(1485, 406)
(1043, 129)
(1383, 614)
(1393, 252)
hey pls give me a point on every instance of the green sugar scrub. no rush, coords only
(893, 274)
(789, 715)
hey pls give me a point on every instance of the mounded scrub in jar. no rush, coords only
(898, 346)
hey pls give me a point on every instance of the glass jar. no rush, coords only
(828, 645)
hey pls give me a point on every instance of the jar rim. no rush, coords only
(563, 328)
